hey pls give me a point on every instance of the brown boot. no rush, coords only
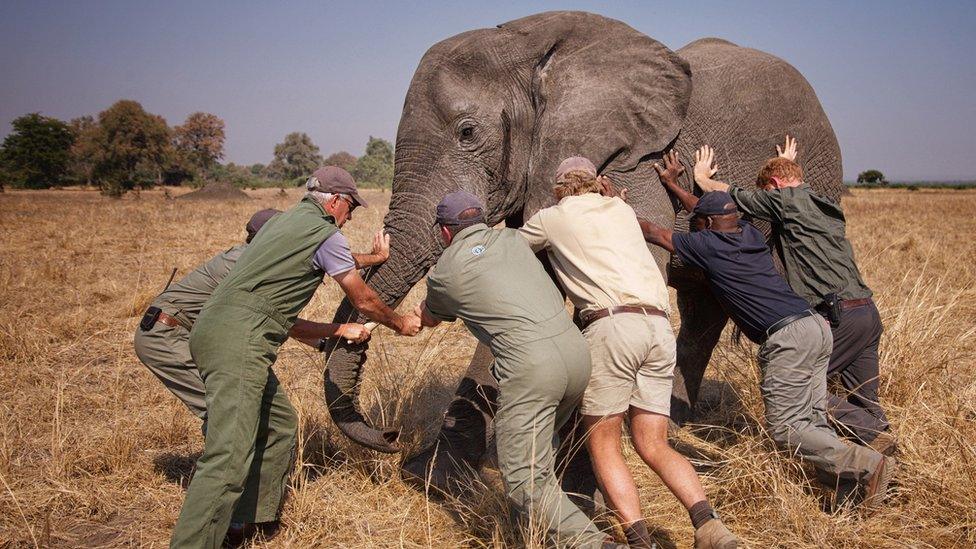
(885, 444)
(714, 535)
(876, 488)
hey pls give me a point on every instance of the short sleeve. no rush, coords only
(691, 248)
(334, 256)
(438, 302)
(765, 205)
(534, 233)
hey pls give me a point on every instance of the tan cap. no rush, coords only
(574, 164)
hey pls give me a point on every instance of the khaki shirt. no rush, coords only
(492, 281)
(599, 252)
(809, 236)
(185, 298)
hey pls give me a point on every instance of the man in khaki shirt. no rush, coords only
(598, 251)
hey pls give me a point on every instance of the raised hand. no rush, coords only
(789, 149)
(381, 246)
(705, 166)
(672, 169)
(608, 189)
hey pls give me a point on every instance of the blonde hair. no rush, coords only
(575, 183)
(781, 168)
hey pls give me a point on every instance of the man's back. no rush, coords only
(740, 270)
(188, 295)
(599, 252)
(491, 280)
(809, 235)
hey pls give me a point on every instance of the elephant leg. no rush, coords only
(702, 322)
(464, 437)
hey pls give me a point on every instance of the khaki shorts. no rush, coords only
(633, 364)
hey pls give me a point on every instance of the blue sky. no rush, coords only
(897, 79)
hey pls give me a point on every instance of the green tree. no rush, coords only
(134, 148)
(341, 159)
(375, 168)
(872, 177)
(81, 164)
(200, 140)
(295, 157)
(35, 154)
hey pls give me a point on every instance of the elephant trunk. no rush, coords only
(413, 249)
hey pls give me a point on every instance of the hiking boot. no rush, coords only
(876, 489)
(885, 444)
(714, 535)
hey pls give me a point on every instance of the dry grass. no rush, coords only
(95, 452)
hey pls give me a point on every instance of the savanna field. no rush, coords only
(95, 452)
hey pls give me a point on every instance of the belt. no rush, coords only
(171, 321)
(849, 304)
(784, 322)
(603, 313)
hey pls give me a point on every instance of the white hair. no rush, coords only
(312, 191)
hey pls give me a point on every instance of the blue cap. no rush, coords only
(715, 203)
(453, 204)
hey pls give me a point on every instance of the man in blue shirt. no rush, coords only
(794, 341)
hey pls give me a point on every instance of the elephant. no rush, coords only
(493, 111)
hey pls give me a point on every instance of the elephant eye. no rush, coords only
(467, 133)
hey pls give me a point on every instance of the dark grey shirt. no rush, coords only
(809, 236)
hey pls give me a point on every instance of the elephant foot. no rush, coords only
(437, 471)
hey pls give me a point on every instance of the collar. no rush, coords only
(468, 231)
(324, 213)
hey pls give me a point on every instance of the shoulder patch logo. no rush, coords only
(478, 250)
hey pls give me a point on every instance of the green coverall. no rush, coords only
(492, 281)
(251, 431)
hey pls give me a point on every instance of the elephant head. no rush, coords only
(493, 111)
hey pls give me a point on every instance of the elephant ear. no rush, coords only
(600, 89)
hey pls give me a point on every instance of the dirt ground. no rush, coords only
(94, 452)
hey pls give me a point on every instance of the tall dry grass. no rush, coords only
(95, 452)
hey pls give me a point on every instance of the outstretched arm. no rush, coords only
(365, 300)
(656, 234)
(705, 168)
(427, 320)
(310, 333)
(669, 175)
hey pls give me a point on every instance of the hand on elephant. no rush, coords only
(409, 325)
(672, 169)
(381, 246)
(353, 333)
(789, 149)
(608, 189)
(705, 166)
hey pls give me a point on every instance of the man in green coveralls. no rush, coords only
(251, 425)
(162, 339)
(492, 281)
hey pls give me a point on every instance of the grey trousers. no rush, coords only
(165, 350)
(539, 386)
(793, 362)
(856, 411)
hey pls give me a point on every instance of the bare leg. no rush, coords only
(612, 473)
(650, 435)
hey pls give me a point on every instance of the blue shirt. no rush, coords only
(740, 272)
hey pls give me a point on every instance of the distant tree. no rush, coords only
(295, 157)
(81, 164)
(872, 177)
(134, 148)
(35, 154)
(200, 140)
(375, 168)
(258, 170)
(341, 159)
